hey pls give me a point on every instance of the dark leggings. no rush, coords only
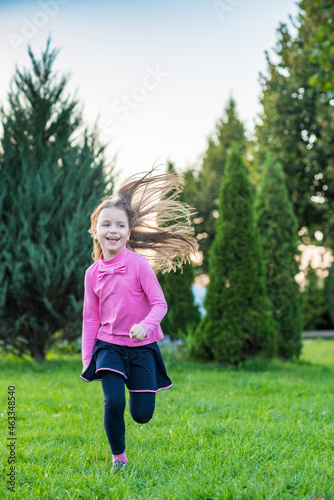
(141, 406)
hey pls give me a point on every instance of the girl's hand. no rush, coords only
(84, 368)
(137, 332)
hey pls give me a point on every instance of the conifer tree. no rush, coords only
(202, 191)
(238, 322)
(278, 227)
(52, 174)
(177, 287)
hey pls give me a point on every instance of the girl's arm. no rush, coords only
(155, 295)
(91, 321)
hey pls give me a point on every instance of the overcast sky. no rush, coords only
(157, 73)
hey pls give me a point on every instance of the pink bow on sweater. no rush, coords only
(110, 271)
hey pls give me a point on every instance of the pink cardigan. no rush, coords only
(119, 293)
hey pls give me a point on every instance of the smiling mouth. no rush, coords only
(113, 239)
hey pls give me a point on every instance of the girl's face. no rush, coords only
(112, 231)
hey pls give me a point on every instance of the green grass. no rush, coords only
(264, 431)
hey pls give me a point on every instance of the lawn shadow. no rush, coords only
(53, 362)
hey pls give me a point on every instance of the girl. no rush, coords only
(124, 303)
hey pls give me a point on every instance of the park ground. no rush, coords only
(263, 430)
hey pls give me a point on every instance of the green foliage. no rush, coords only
(217, 434)
(202, 190)
(52, 174)
(277, 225)
(315, 307)
(297, 123)
(182, 313)
(329, 292)
(238, 323)
(322, 41)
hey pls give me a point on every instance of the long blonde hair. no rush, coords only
(159, 222)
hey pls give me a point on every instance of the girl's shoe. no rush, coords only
(118, 465)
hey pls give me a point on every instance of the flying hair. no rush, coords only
(159, 222)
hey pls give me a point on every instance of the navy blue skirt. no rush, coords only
(142, 367)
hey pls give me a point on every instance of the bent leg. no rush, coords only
(114, 406)
(141, 405)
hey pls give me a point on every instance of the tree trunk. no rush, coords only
(36, 346)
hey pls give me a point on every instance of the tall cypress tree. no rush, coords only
(238, 322)
(52, 174)
(278, 227)
(202, 190)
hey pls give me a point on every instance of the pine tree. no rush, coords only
(238, 323)
(278, 225)
(52, 174)
(202, 191)
(182, 313)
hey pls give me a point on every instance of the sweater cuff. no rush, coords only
(86, 360)
(148, 329)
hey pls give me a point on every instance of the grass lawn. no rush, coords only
(260, 432)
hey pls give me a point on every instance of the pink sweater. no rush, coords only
(119, 293)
